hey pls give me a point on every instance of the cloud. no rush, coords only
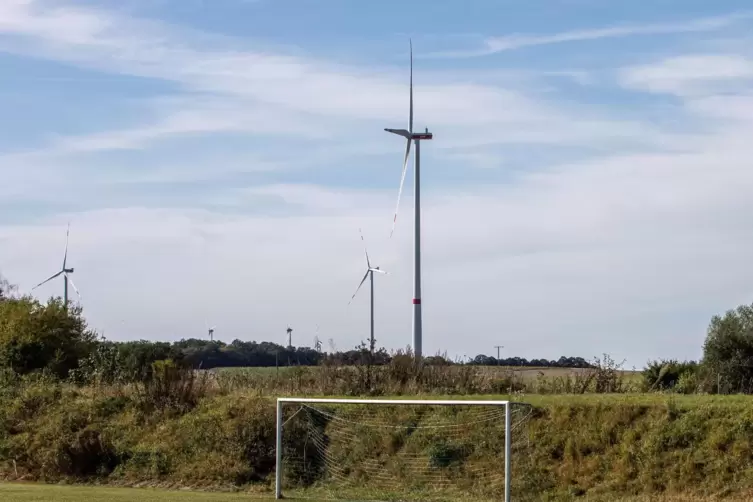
(257, 89)
(690, 74)
(494, 45)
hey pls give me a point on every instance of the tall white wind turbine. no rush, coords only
(64, 272)
(368, 275)
(410, 136)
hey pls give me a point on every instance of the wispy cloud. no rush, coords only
(690, 74)
(494, 45)
(260, 91)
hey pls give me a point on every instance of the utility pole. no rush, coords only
(498, 347)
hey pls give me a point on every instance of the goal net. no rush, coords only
(364, 449)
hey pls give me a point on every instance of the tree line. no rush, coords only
(48, 337)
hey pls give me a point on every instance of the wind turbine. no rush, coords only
(317, 341)
(410, 136)
(64, 272)
(370, 275)
(210, 331)
(289, 331)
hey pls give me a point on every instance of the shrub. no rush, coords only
(171, 386)
(667, 375)
(443, 454)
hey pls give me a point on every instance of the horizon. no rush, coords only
(585, 191)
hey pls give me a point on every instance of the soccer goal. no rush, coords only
(394, 449)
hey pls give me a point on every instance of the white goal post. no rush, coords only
(502, 406)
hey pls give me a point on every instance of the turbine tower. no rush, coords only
(370, 275)
(64, 272)
(410, 137)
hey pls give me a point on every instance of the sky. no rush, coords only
(587, 190)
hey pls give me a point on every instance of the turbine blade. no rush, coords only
(402, 182)
(74, 286)
(410, 121)
(399, 132)
(365, 276)
(368, 262)
(47, 280)
(379, 271)
(67, 233)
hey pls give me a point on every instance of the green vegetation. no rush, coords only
(42, 337)
(610, 445)
(77, 409)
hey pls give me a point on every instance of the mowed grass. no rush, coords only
(12, 492)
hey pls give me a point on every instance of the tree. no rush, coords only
(36, 337)
(728, 350)
(6, 288)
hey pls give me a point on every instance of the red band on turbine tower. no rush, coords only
(417, 301)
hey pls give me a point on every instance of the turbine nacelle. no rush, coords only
(423, 135)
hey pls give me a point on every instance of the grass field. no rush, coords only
(526, 372)
(12, 492)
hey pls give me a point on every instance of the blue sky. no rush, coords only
(587, 190)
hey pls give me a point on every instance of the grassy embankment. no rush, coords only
(605, 447)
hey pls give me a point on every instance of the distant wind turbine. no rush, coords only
(210, 331)
(317, 341)
(370, 275)
(64, 272)
(410, 136)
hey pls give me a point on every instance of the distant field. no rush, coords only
(536, 379)
(257, 370)
(62, 493)
(527, 372)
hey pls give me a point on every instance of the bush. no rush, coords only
(668, 374)
(172, 386)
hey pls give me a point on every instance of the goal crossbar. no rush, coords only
(425, 402)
